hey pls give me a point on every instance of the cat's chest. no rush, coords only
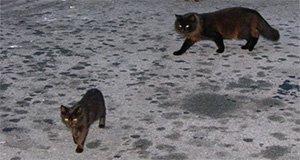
(197, 37)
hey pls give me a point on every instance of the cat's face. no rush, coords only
(185, 23)
(71, 116)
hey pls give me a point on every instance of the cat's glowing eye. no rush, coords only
(75, 119)
(187, 26)
(180, 26)
(66, 119)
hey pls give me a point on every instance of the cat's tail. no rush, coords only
(266, 30)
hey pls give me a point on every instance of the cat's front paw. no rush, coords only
(177, 53)
(79, 150)
(250, 48)
(244, 47)
(101, 125)
(220, 50)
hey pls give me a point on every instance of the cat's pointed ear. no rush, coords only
(63, 109)
(192, 18)
(178, 17)
(78, 110)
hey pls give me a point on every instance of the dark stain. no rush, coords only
(171, 115)
(68, 74)
(4, 86)
(297, 121)
(173, 156)
(173, 136)
(49, 121)
(9, 129)
(117, 156)
(94, 144)
(279, 136)
(64, 51)
(247, 83)
(162, 90)
(78, 67)
(166, 104)
(21, 111)
(248, 139)
(296, 130)
(222, 154)
(212, 105)
(38, 32)
(43, 147)
(15, 120)
(162, 49)
(204, 70)
(38, 53)
(274, 152)
(160, 128)
(15, 129)
(208, 86)
(165, 147)
(48, 86)
(52, 136)
(76, 31)
(22, 104)
(135, 136)
(227, 145)
(276, 118)
(168, 84)
(5, 109)
(270, 102)
(288, 89)
(16, 158)
(286, 86)
(49, 102)
(4, 115)
(142, 144)
(261, 74)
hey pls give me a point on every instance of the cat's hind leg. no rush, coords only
(252, 43)
(246, 45)
(218, 39)
(253, 38)
(102, 122)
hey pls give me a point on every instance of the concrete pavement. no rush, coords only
(201, 105)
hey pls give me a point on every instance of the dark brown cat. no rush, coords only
(79, 117)
(230, 23)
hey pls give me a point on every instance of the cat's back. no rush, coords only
(234, 12)
(93, 91)
(92, 98)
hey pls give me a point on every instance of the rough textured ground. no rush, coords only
(201, 105)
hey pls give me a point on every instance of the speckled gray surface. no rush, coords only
(201, 105)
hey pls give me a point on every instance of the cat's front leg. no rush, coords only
(186, 45)
(81, 139)
(75, 135)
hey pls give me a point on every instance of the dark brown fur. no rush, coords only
(230, 23)
(90, 108)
